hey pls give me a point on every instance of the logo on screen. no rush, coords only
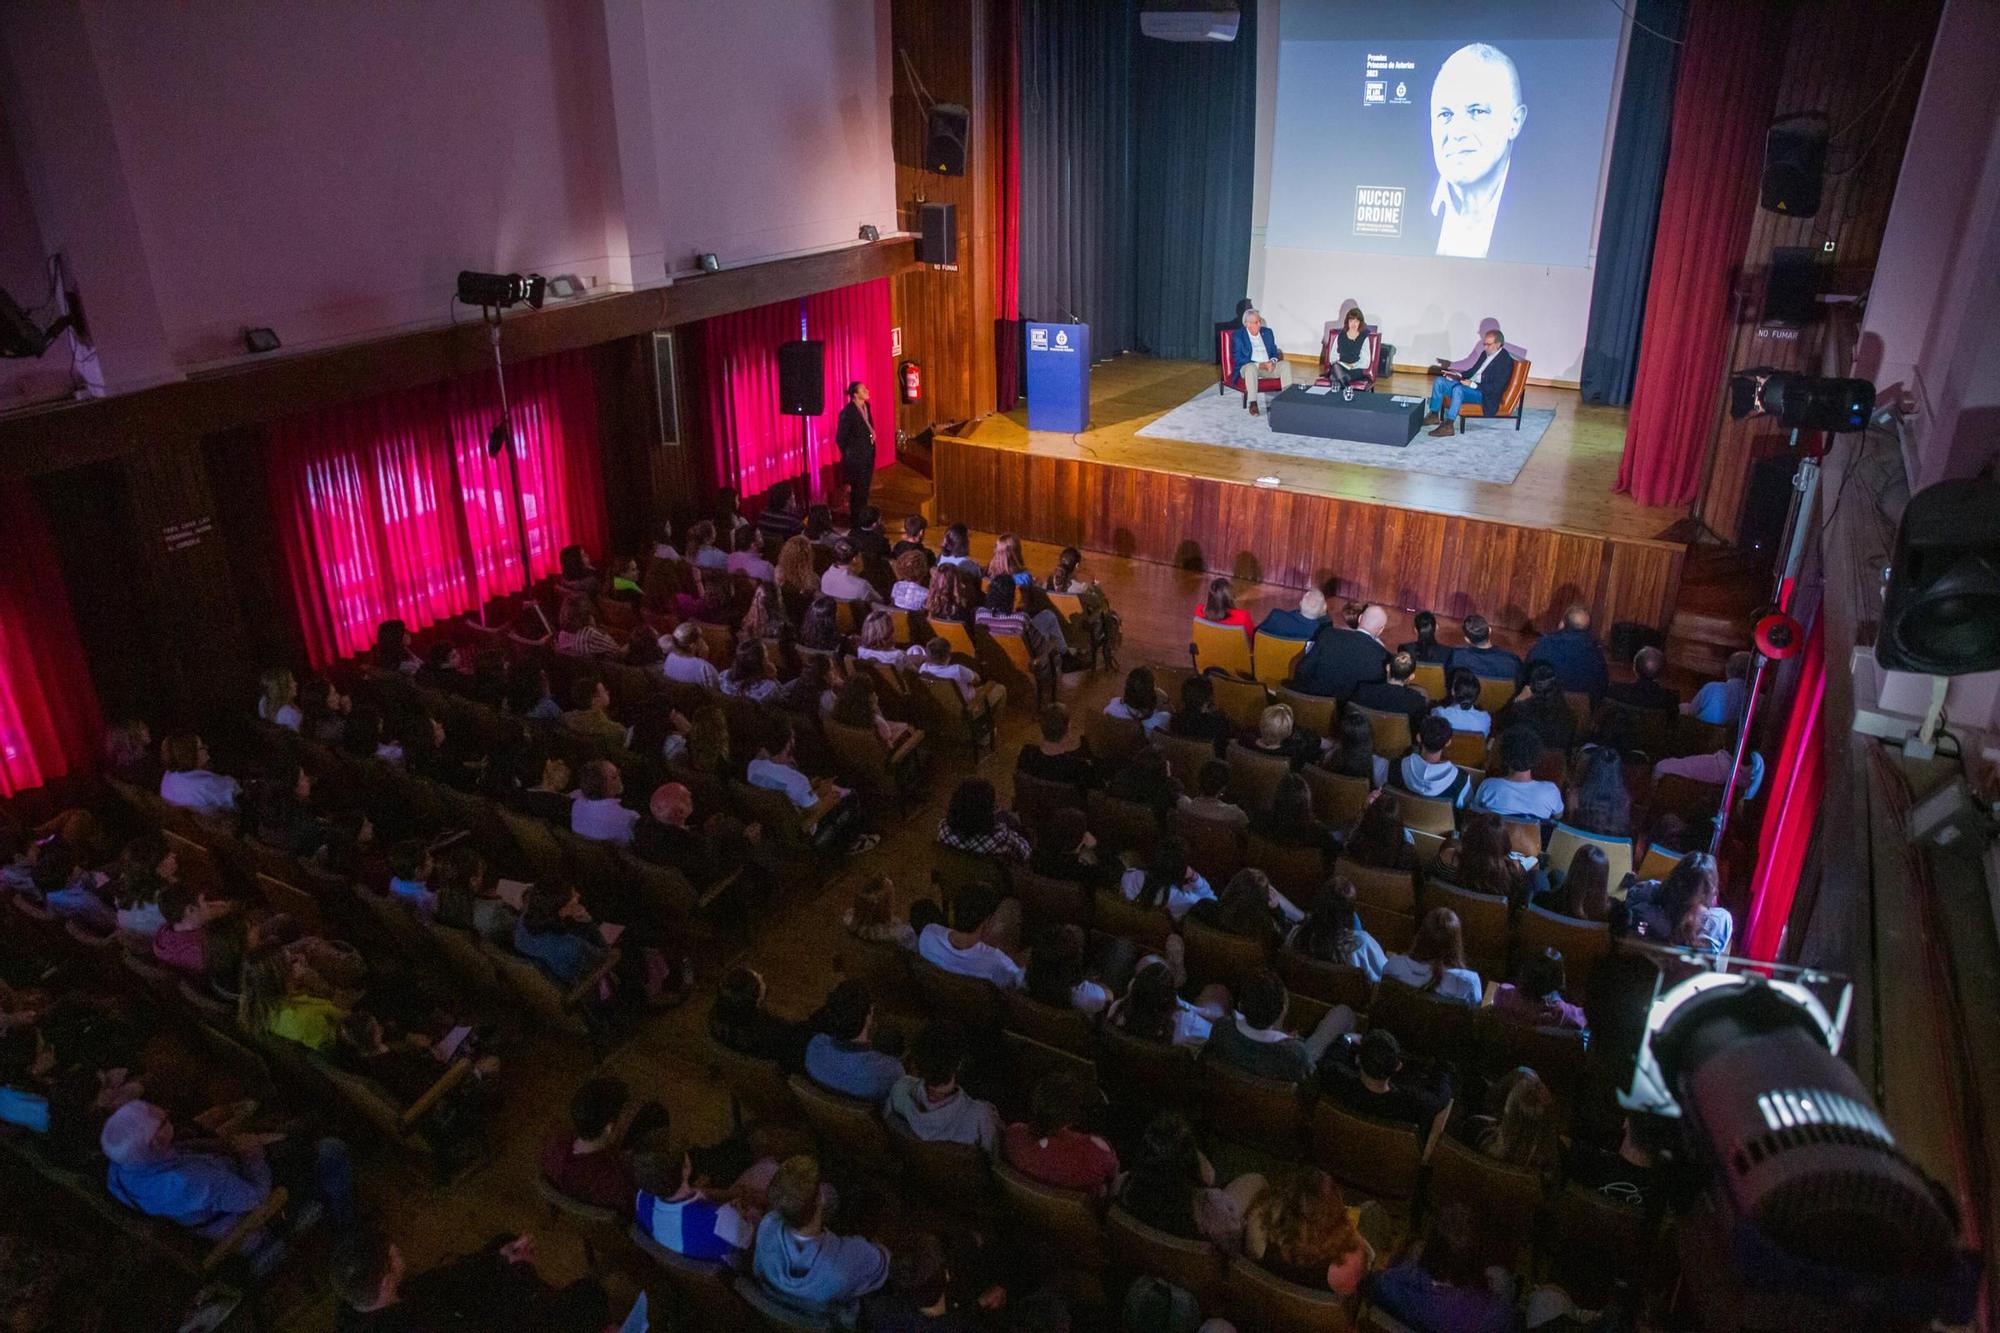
(1038, 338)
(1374, 90)
(1378, 210)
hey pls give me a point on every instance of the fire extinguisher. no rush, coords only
(911, 377)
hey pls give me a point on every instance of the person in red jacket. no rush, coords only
(1220, 608)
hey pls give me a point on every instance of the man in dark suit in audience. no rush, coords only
(1480, 656)
(1339, 658)
(855, 437)
(1646, 692)
(1575, 655)
(867, 534)
(1396, 694)
(1303, 623)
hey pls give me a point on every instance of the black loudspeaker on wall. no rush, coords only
(1941, 610)
(944, 139)
(937, 233)
(1794, 164)
(1791, 291)
(1768, 501)
(802, 378)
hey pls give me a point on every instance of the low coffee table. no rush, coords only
(1374, 418)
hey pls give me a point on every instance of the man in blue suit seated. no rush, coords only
(1301, 624)
(1254, 353)
(1484, 383)
(1575, 655)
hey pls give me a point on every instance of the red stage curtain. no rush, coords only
(49, 718)
(1797, 779)
(1727, 86)
(756, 445)
(1007, 271)
(389, 507)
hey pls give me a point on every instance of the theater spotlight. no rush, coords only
(499, 291)
(1802, 1213)
(1804, 402)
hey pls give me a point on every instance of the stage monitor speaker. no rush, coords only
(666, 388)
(802, 378)
(1791, 291)
(1941, 610)
(1794, 164)
(945, 131)
(1767, 502)
(937, 233)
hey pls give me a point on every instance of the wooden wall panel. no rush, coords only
(1518, 577)
(1861, 62)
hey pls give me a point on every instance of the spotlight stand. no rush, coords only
(500, 439)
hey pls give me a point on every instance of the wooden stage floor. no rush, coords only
(1515, 553)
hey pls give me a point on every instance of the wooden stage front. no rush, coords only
(1517, 554)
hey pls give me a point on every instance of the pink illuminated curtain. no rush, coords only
(49, 719)
(389, 507)
(1798, 776)
(755, 444)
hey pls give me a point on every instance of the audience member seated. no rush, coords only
(823, 805)
(1644, 690)
(1576, 656)
(556, 930)
(1052, 1146)
(739, 1021)
(1436, 960)
(1008, 563)
(1379, 839)
(819, 526)
(70, 891)
(1208, 802)
(1066, 850)
(146, 867)
(1541, 704)
(686, 663)
(1425, 647)
(779, 519)
(820, 630)
(1061, 755)
(702, 550)
(912, 540)
(1140, 701)
(803, 1264)
(1060, 975)
(1152, 1008)
(1219, 607)
(1354, 752)
(495, 1288)
(1424, 771)
(1715, 768)
(1332, 932)
(1395, 694)
(1303, 623)
(1254, 1041)
(1170, 1186)
(1681, 909)
(278, 699)
(956, 552)
(749, 674)
(1480, 656)
(530, 698)
(999, 615)
(280, 999)
(969, 947)
(1148, 780)
(984, 698)
(1445, 1286)
(1166, 880)
(1584, 891)
(1461, 708)
(592, 1159)
(189, 784)
(468, 899)
(1517, 792)
(550, 796)
(182, 943)
(1721, 702)
(1250, 908)
(857, 705)
(1280, 736)
(1292, 822)
(598, 812)
(974, 823)
(765, 617)
(392, 654)
(1630, 1173)
(878, 640)
(1535, 997)
(1340, 658)
(842, 1057)
(705, 1219)
(872, 915)
(1198, 718)
(746, 558)
(129, 755)
(845, 579)
(579, 634)
(207, 1184)
(912, 589)
(1102, 622)
(1599, 801)
(1524, 1131)
(1477, 858)
(410, 869)
(1370, 1077)
(1301, 1229)
(931, 1105)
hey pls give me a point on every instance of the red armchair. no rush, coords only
(1229, 378)
(1366, 380)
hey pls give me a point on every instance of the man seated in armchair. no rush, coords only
(1255, 355)
(1483, 383)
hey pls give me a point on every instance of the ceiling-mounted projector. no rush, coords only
(1201, 21)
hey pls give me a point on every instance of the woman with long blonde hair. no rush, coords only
(1007, 562)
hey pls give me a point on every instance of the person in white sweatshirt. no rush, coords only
(1424, 771)
(932, 1105)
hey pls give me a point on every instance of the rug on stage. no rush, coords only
(1487, 451)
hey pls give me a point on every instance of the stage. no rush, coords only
(1516, 553)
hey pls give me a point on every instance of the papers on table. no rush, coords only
(1319, 389)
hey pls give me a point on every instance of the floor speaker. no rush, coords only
(945, 132)
(1941, 608)
(802, 378)
(1767, 502)
(1794, 164)
(937, 233)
